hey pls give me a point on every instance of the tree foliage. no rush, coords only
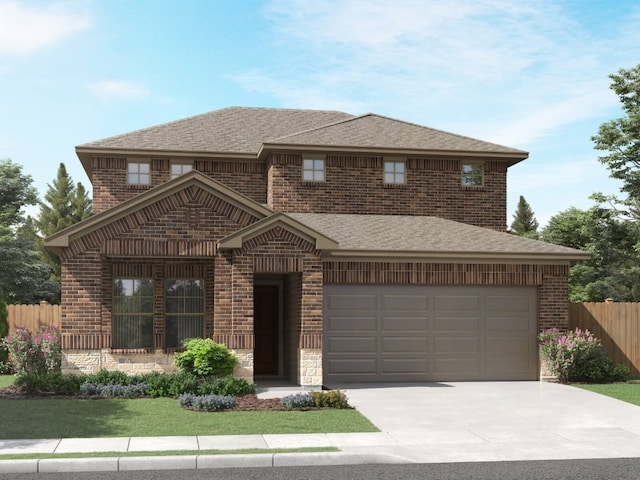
(16, 192)
(524, 221)
(621, 136)
(65, 204)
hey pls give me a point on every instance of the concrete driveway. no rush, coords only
(492, 421)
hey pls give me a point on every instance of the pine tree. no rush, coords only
(65, 204)
(524, 221)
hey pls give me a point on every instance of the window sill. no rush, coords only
(394, 185)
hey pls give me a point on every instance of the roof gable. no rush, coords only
(62, 239)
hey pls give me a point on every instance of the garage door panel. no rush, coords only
(508, 303)
(419, 344)
(456, 366)
(507, 346)
(353, 344)
(404, 302)
(456, 324)
(456, 344)
(353, 366)
(404, 365)
(351, 324)
(405, 323)
(387, 333)
(352, 302)
(456, 303)
(508, 324)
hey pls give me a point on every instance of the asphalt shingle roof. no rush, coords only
(244, 130)
(421, 234)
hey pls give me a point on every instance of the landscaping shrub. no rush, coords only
(110, 377)
(123, 391)
(578, 356)
(330, 399)
(51, 383)
(228, 385)
(39, 354)
(4, 331)
(207, 403)
(297, 401)
(170, 384)
(204, 357)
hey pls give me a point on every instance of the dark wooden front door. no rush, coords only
(265, 325)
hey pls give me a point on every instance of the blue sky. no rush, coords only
(531, 75)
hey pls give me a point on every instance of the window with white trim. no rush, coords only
(178, 169)
(313, 170)
(132, 320)
(139, 173)
(472, 175)
(394, 172)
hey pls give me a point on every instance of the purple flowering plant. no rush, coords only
(34, 354)
(565, 350)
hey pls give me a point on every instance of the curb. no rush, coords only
(194, 462)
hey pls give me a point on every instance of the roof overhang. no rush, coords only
(509, 158)
(237, 239)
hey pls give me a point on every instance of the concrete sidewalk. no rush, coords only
(435, 422)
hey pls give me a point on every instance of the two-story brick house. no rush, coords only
(320, 246)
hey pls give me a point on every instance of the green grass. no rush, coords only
(145, 417)
(245, 451)
(6, 380)
(627, 392)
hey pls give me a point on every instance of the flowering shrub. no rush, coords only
(125, 391)
(578, 356)
(297, 400)
(207, 403)
(38, 355)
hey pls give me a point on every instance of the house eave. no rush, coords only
(455, 257)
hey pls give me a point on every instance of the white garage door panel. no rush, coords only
(386, 333)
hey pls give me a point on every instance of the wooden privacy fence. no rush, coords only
(33, 317)
(616, 324)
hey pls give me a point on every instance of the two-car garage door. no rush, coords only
(391, 333)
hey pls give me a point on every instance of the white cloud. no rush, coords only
(25, 28)
(119, 89)
(505, 71)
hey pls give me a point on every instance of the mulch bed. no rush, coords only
(246, 403)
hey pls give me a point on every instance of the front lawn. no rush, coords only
(144, 417)
(627, 392)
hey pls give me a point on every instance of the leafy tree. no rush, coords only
(65, 204)
(16, 191)
(614, 268)
(621, 136)
(524, 221)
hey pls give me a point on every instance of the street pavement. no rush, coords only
(419, 423)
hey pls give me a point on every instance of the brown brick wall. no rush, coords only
(551, 280)
(110, 188)
(355, 184)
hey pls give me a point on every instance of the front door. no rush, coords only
(266, 299)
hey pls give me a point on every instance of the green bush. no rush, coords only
(4, 331)
(54, 383)
(578, 356)
(204, 357)
(109, 377)
(170, 384)
(330, 399)
(225, 386)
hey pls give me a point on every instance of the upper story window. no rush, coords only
(178, 169)
(139, 173)
(313, 170)
(472, 175)
(394, 172)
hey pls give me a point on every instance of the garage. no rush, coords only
(400, 333)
